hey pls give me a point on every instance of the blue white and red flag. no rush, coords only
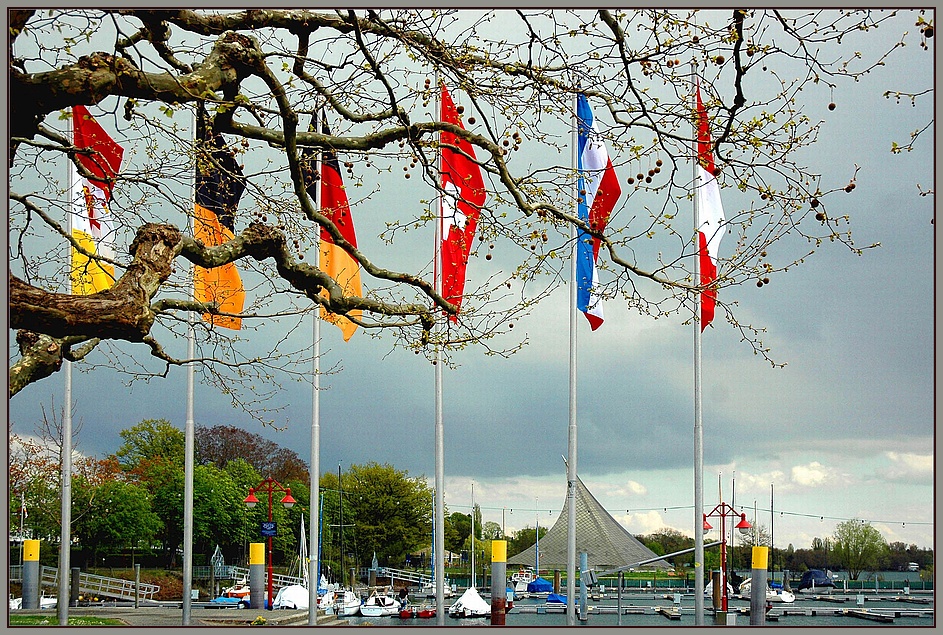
(599, 190)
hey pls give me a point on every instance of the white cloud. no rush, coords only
(908, 467)
(811, 474)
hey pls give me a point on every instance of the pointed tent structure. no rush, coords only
(606, 542)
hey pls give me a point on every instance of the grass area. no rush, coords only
(53, 620)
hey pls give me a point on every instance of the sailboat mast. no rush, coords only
(343, 572)
(473, 536)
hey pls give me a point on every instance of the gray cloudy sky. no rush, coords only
(844, 430)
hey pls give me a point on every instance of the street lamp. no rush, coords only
(269, 486)
(723, 510)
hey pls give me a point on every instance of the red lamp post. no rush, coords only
(723, 510)
(269, 486)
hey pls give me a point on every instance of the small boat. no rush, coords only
(427, 589)
(45, 602)
(470, 604)
(520, 580)
(408, 611)
(774, 592)
(426, 611)
(709, 589)
(347, 604)
(556, 598)
(380, 604)
(239, 590)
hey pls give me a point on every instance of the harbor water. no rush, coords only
(641, 610)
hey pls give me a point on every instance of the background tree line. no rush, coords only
(855, 547)
(131, 503)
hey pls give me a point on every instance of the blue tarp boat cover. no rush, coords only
(539, 585)
(556, 598)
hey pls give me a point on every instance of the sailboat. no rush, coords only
(295, 596)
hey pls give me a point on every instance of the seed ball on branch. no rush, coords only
(832, 106)
(814, 203)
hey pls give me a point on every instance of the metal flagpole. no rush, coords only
(188, 448)
(571, 429)
(65, 539)
(439, 428)
(313, 548)
(698, 428)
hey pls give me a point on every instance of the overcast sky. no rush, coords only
(844, 430)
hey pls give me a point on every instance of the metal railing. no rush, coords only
(93, 584)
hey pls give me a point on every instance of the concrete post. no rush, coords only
(758, 586)
(30, 574)
(74, 587)
(137, 585)
(257, 575)
(499, 576)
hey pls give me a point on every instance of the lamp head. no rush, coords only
(288, 501)
(744, 525)
(250, 500)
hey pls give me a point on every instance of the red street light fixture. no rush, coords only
(722, 511)
(269, 486)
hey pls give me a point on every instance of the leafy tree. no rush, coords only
(524, 538)
(261, 74)
(458, 531)
(115, 516)
(151, 439)
(491, 531)
(221, 444)
(392, 512)
(859, 547)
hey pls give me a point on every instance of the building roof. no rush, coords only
(607, 543)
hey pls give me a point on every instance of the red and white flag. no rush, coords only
(463, 196)
(90, 216)
(710, 213)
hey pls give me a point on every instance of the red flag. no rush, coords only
(710, 212)
(334, 261)
(462, 199)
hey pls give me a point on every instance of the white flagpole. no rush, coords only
(698, 427)
(571, 430)
(439, 427)
(189, 439)
(65, 540)
(314, 552)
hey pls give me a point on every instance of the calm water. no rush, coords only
(518, 618)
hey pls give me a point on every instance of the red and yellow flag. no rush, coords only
(219, 186)
(90, 216)
(334, 260)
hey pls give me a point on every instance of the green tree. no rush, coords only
(858, 547)
(392, 512)
(151, 439)
(523, 538)
(457, 531)
(491, 531)
(115, 515)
